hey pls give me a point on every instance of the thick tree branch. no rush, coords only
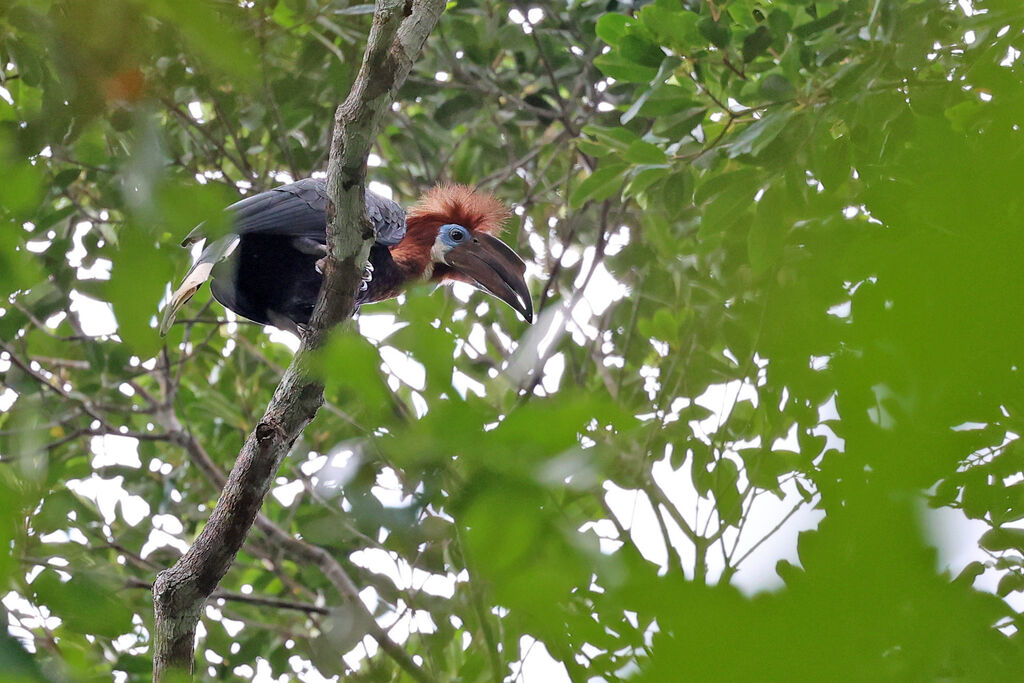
(390, 54)
(396, 37)
(302, 552)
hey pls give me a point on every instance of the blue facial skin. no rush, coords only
(453, 235)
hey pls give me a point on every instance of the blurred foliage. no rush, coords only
(777, 248)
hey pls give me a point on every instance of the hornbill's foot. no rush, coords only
(367, 277)
(308, 245)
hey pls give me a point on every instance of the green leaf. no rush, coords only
(614, 138)
(724, 482)
(599, 185)
(725, 210)
(671, 24)
(777, 88)
(970, 572)
(140, 273)
(677, 192)
(611, 27)
(668, 99)
(23, 189)
(717, 32)
(742, 181)
(1002, 538)
(84, 604)
(635, 49)
(17, 269)
(641, 152)
(760, 134)
(17, 665)
(31, 65)
(762, 467)
(828, 21)
(780, 21)
(756, 43)
(592, 148)
(1010, 582)
(662, 326)
(623, 69)
(634, 108)
(66, 177)
(223, 44)
(349, 367)
(643, 176)
(682, 123)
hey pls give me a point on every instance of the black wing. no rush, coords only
(300, 210)
(388, 219)
(297, 210)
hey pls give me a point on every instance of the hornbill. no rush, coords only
(269, 268)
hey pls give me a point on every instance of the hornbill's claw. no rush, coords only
(367, 278)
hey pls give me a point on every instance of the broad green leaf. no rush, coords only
(634, 48)
(756, 43)
(599, 185)
(622, 68)
(611, 27)
(136, 284)
(84, 604)
(677, 192)
(1002, 539)
(776, 88)
(641, 152)
(17, 664)
(761, 133)
(643, 177)
(17, 270)
(671, 24)
(616, 138)
(717, 32)
(349, 367)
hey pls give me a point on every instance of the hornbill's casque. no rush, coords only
(269, 268)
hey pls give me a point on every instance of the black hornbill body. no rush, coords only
(269, 268)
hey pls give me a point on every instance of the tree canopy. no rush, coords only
(776, 252)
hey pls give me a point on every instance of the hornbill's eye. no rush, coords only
(458, 234)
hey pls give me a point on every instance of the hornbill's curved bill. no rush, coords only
(269, 268)
(494, 268)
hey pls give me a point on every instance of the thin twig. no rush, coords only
(220, 594)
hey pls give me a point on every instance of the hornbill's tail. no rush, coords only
(200, 272)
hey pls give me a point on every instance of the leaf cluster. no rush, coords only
(776, 247)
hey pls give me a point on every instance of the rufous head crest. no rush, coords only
(462, 205)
